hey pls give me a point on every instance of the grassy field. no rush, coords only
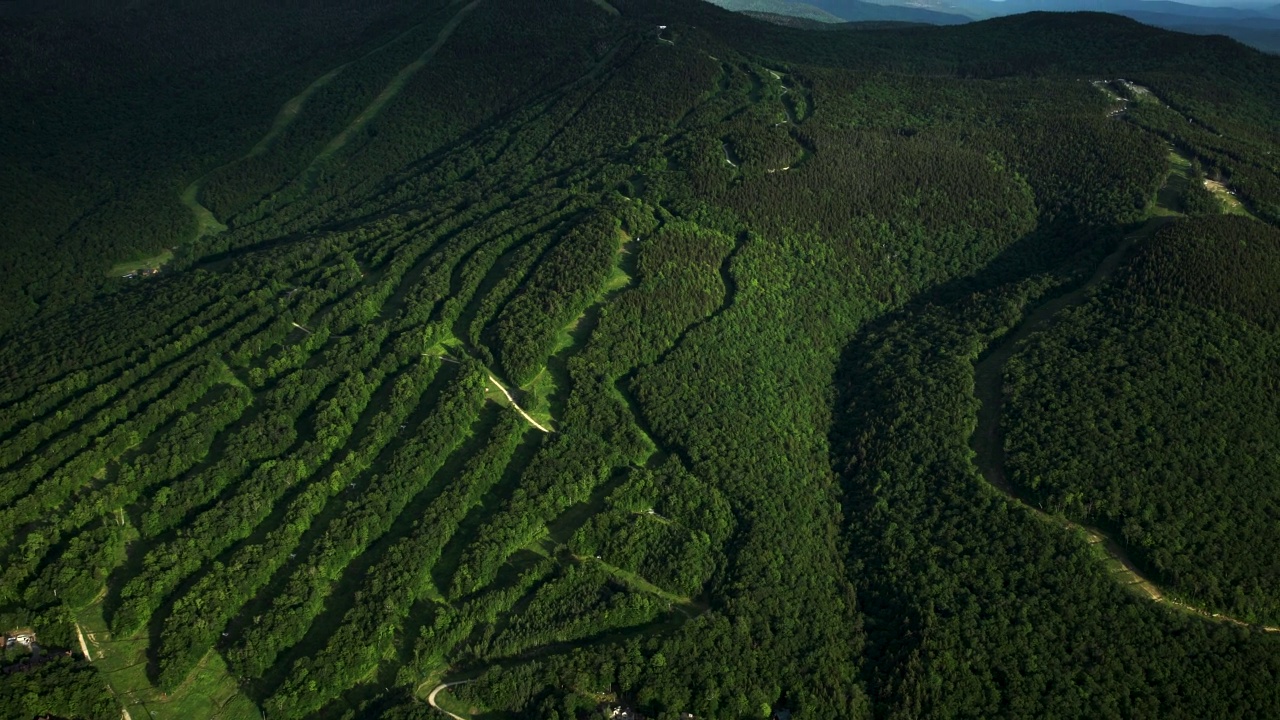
(121, 269)
(449, 703)
(1169, 198)
(1231, 204)
(208, 693)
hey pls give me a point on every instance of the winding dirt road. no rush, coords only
(431, 699)
(516, 405)
(84, 646)
(988, 441)
(727, 158)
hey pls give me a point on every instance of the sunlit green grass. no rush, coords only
(128, 266)
(209, 692)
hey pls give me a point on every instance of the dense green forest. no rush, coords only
(1149, 411)
(585, 354)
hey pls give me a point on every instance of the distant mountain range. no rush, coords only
(1252, 23)
(991, 8)
(1255, 25)
(810, 24)
(835, 11)
(857, 11)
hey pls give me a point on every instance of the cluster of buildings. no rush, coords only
(26, 638)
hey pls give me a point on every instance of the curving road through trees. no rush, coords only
(431, 699)
(988, 442)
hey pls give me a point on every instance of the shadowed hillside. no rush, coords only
(538, 360)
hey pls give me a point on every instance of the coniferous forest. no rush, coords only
(497, 359)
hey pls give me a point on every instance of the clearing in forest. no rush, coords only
(1169, 196)
(206, 223)
(209, 692)
(144, 266)
(1230, 203)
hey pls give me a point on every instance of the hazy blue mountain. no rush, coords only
(991, 8)
(778, 7)
(1171, 21)
(1251, 23)
(1125, 6)
(845, 10)
(1260, 32)
(857, 11)
(794, 21)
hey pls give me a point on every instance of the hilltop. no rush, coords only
(545, 359)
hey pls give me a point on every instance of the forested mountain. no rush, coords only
(536, 360)
(1251, 23)
(103, 132)
(1221, 10)
(1259, 32)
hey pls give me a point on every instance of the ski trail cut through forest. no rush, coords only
(988, 441)
(607, 7)
(290, 111)
(516, 405)
(728, 157)
(392, 89)
(207, 224)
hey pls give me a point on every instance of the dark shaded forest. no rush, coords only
(1149, 411)
(599, 364)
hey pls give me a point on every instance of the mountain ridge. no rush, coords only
(843, 10)
(1249, 25)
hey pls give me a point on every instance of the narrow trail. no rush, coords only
(516, 405)
(392, 89)
(431, 699)
(290, 111)
(607, 7)
(207, 224)
(988, 441)
(498, 384)
(727, 157)
(84, 646)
